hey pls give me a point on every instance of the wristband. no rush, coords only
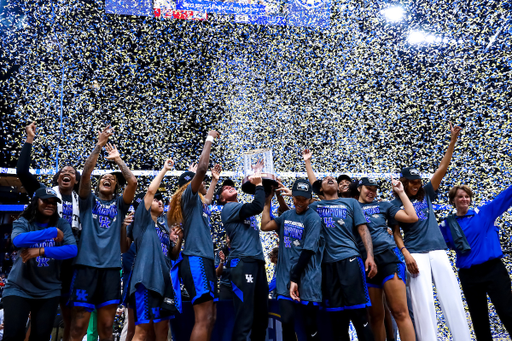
(401, 250)
(209, 138)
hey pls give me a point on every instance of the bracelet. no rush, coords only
(403, 247)
(209, 138)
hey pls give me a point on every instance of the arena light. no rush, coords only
(420, 37)
(393, 14)
(416, 37)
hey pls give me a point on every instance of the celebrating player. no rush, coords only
(96, 282)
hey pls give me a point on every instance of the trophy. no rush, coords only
(259, 160)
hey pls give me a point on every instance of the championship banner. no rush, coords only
(166, 9)
(142, 8)
(220, 7)
(310, 13)
(260, 20)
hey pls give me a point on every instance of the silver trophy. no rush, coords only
(259, 160)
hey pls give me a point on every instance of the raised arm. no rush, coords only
(267, 224)
(202, 165)
(445, 162)
(307, 154)
(369, 264)
(217, 169)
(131, 181)
(408, 214)
(28, 180)
(282, 191)
(153, 187)
(256, 206)
(85, 181)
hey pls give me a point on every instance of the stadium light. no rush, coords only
(393, 14)
(416, 37)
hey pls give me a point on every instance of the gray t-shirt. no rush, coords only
(340, 218)
(39, 277)
(377, 214)
(152, 264)
(99, 245)
(244, 234)
(423, 235)
(196, 224)
(299, 232)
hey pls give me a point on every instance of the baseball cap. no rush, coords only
(46, 193)
(410, 173)
(344, 177)
(137, 200)
(227, 182)
(185, 177)
(301, 188)
(317, 187)
(366, 181)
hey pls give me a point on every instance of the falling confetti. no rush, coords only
(366, 94)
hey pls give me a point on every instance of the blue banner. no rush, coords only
(220, 7)
(129, 7)
(310, 13)
(260, 20)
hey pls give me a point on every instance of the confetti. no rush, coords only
(367, 95)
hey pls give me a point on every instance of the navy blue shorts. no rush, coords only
(344, 285)
(93, 288)
(147, 306)
(389, 263)
(66, 276)
(198, 276)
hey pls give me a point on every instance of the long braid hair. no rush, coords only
(175, 215)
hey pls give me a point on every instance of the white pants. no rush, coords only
(436, 265)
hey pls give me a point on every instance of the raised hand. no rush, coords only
(113, 153)
(455, 130)
(168, 164)
(216, 170)
(307, 154)
(397, 185)
(104, 135)
(31, 132)
(176, 233)
(192, 167)
(258, 166)
(214, 134)
(128, 219)
(256, 179)
(283, 190)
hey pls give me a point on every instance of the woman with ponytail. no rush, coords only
(188, 208)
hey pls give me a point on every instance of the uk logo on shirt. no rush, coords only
(43, 261)
(292, 229)
(104, 214)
